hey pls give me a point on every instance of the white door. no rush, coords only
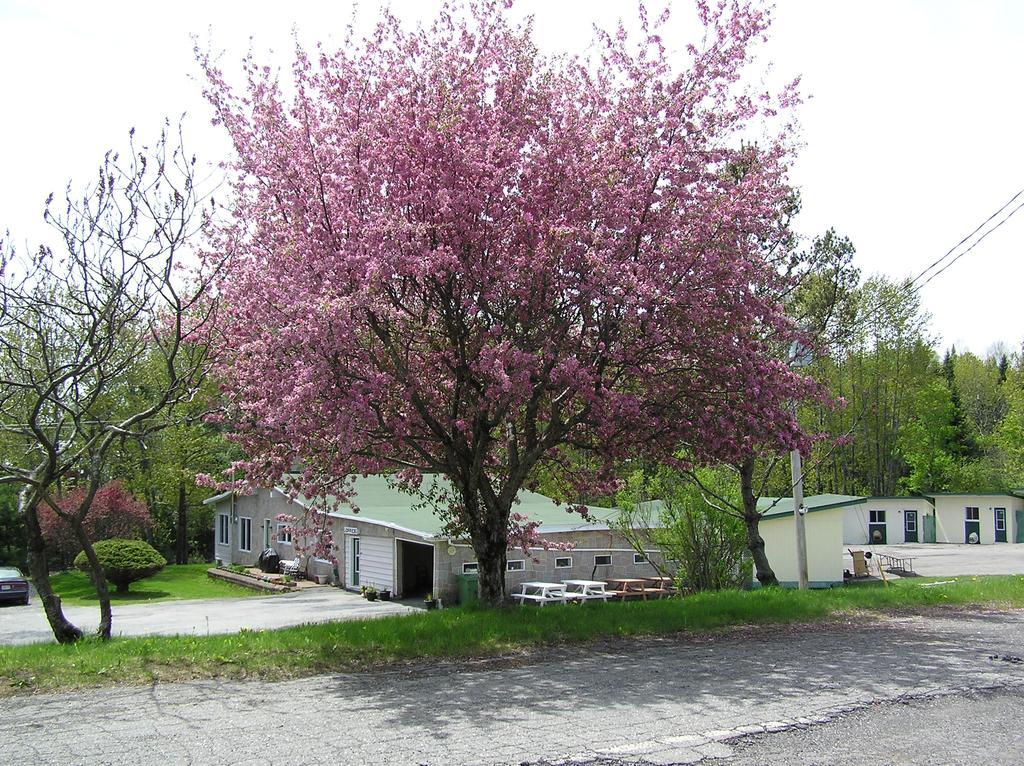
(377, 562)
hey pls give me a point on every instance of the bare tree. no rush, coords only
(76, 323)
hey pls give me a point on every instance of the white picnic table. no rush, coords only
(586, 590)
(540, 592)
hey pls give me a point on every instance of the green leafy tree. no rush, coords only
(12, 529)
(929, 441)
(699, 528)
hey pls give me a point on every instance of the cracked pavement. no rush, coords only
(649, 701)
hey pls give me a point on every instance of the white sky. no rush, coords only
(913, 134)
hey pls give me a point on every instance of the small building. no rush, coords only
(395, 541)
(936, 517)
(889, 521)
(983, 517)
(823, 523)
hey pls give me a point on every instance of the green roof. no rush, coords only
(1006, 493)
(378, 500)
(773, 507)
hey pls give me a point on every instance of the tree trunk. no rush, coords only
(181, 552)
(492, 560)
(490, 543)
(63, 630)
(99, 579)
(751, 518)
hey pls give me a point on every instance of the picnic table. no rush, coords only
(664, 586)
(586, 590)
(627, 587)
(540, 592)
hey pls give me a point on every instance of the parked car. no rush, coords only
(13, 585)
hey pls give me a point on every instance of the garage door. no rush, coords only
(377, 562)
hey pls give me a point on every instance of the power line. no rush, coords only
(965, 239)
(977, 242)
(910, 288)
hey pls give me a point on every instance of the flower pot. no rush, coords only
(371, 596)
(385, 595)
(432, 604)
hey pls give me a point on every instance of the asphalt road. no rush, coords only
(27, 624)
(651, 701)
(971, 728)
(949, 559)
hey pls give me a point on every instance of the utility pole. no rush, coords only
(800, 356)
(796, 468)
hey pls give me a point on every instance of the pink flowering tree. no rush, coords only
(113, 512)
(453, 254)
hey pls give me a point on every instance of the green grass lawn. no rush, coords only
(172, 582)
(460, 633)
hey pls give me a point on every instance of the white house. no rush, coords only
(396, 542)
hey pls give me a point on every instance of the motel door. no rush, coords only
(1000, 525)
(972, 525)
(910, 526)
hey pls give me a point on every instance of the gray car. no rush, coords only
(13, 585)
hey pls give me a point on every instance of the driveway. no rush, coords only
(950, 559)
(27, 624)
(628, 701)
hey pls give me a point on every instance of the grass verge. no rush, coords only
(460, 633)
(176, 581)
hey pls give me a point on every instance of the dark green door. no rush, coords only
(910, 526)
(972, 525)
(876, 527)
(1020, 526)
(1000, 525)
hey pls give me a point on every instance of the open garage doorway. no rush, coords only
(415, 568)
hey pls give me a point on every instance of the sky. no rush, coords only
(911, 132)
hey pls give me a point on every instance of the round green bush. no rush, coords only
(124, 561)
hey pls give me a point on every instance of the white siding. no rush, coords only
(377, 562)
(855, 521)
(824, 546)
(950, 516)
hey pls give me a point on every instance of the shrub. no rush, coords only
(124, 561)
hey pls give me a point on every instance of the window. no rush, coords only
(223, 534)
(1000, 519)
(515, 566)
(284, 534)
(639, 558)
(245, 534)
(563, 562)
(266, 533)
(470, 567)
(910, 521)
(602, 560)
(877, 517)
(972, 514)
